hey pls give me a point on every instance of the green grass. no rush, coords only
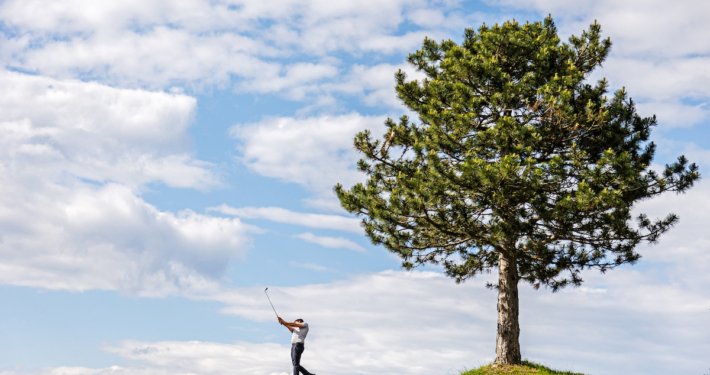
(527, 367)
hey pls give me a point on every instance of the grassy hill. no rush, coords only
(524, 369)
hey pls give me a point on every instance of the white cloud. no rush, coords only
(330, 242)
(652, 28)
(672, 114)
(208, 358)
(186, 358)
(203, 43)
(427, 17)
(662, 80)
(662, 85)
(375, 85)
(296, 79)
(396, 43)
(50, 127)
(683, 250)
(286, 47)
(314, 152)
(158, 58)
(282, 215)
(83, 238)
(73, 157)
(310, 266)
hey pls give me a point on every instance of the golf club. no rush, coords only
(272, 305)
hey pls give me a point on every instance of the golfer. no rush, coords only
(299, 330)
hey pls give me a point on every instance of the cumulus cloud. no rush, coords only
(73, 159)
(684, 248)
(331, 242)
(282, 215)
(374, 85)
(651, 28)
(295, 80)
(675, 88)
(315, 152)
(286, 47)
(50, 127)
(675, 114)
(208, 358)
(204, 43)
(83, 238)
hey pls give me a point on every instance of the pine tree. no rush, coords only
(516, 163)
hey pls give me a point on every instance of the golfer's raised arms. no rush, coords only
(295, 324)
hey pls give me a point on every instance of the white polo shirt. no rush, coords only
(299, 334)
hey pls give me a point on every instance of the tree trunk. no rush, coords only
(507, 340)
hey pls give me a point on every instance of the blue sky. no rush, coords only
(162, 162)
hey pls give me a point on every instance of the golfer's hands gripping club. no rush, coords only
(281, 321)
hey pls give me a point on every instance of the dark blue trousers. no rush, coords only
(296, 351)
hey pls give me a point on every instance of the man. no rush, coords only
(299, 330)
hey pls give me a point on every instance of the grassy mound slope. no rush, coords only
(524, 369)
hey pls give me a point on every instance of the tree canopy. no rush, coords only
(513, 151)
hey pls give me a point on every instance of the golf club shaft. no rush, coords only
(272, 305)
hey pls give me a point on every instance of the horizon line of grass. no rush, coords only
(525, 368)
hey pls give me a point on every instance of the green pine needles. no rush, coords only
(514, 157)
